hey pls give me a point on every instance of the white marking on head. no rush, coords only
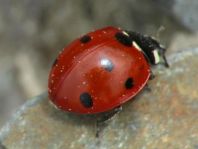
(136, 46)
(156, 56)
(125, 33)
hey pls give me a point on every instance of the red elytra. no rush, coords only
(97, 72)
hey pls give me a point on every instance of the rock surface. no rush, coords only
(164, 118)
(184, 11)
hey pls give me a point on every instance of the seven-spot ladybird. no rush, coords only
(102, 70)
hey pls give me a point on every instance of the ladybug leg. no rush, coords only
(165, 61)
(104, 118)
(152, 76)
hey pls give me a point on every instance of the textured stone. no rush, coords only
(184, 11)
(164, 118)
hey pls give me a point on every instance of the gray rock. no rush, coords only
(184, 11)
(163, 118)
(2, 146)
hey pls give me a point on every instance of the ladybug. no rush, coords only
(102, 70)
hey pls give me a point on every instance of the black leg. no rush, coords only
(104, 118)
(152, 76)
(165, 61)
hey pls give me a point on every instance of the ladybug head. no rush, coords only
(153, 51)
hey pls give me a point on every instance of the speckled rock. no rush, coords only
(184, 11)
(165, 117)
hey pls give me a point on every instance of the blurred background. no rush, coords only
(32, 32)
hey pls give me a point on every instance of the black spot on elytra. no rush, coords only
(86, 100)
(129, 83)
(107, 64)
(85, 39)
(55, 62)
(123, 39)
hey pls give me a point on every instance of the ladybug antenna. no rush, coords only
(159, 31)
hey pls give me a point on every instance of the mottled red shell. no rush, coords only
(97, 72)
